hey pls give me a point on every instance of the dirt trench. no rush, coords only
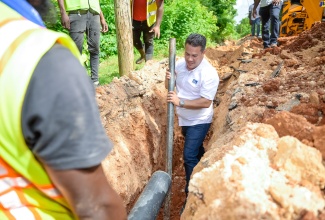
(268, 101)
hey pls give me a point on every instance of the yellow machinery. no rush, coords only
(300, 15)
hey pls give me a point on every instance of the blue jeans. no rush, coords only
(141, 27)
(256, 25)
(88, 23)
(270, 22)
(193, 147)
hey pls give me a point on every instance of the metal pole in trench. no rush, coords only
(170, 124)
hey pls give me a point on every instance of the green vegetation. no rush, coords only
(225, 13)
(212, 18)
(183, 17)
(243, 28)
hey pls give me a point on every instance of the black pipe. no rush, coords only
(170, 122)
(151, 198)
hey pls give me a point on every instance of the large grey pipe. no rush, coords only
(151, 198)
(170, 122)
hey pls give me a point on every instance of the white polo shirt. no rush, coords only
(203, 82)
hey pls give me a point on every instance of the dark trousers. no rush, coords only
(270, 23)
(141, 28)
(193, 147)
(256, 25)
(88, 23)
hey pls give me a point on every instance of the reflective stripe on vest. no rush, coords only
(26, 191)
(151, 12)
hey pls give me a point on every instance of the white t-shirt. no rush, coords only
(203, 82)
(257, 11)
(265, 3)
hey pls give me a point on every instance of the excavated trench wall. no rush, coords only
(133, 112)
(266, 144)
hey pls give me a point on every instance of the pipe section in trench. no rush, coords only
(152, 197)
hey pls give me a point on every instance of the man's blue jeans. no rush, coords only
(193, 147)
(270, 15)
(88, 23)
(256, 25)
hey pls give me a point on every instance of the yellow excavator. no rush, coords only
(300, 15)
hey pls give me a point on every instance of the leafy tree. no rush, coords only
(225, 12)
(243, 28)
(108, 40)
(183, 17)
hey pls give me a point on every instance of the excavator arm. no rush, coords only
(300, 15)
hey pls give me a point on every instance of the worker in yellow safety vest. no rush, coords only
(146, 20)
(84, 18)
(51, 138)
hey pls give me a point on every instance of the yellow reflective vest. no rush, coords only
(151, 11)
(26, 191)
(71, 5)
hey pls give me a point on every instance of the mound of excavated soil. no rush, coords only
(265, 149)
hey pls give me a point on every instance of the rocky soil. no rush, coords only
(266, 147)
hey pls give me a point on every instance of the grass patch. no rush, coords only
(108, 69)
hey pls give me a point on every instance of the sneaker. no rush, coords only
(96, 83)
(274, 45)
(140, 60)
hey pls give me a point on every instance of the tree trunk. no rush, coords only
(124, 36)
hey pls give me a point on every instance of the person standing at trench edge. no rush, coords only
(269, 12)
(255, 22)
(80, 17)
(146, 19)
(196, 86)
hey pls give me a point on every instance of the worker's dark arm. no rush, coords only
(65, 133)
(256, 2)
(65, 21)
(160, 12)
(88, 193)
(159, 15)
(103, 22)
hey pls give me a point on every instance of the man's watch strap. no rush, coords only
(181, 103)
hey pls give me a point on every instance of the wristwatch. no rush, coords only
(181, 103)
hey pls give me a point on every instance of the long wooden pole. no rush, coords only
(124, 36)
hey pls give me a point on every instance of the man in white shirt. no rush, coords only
(255, 22)
(196, 86)
(269, 12)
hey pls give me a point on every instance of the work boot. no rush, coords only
(142, 58)
(148, 57)
(274, 45)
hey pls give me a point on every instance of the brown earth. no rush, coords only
(265, 148)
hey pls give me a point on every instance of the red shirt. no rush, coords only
(140, 10)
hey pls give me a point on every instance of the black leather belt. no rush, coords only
(79, 12)
(83, 11)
